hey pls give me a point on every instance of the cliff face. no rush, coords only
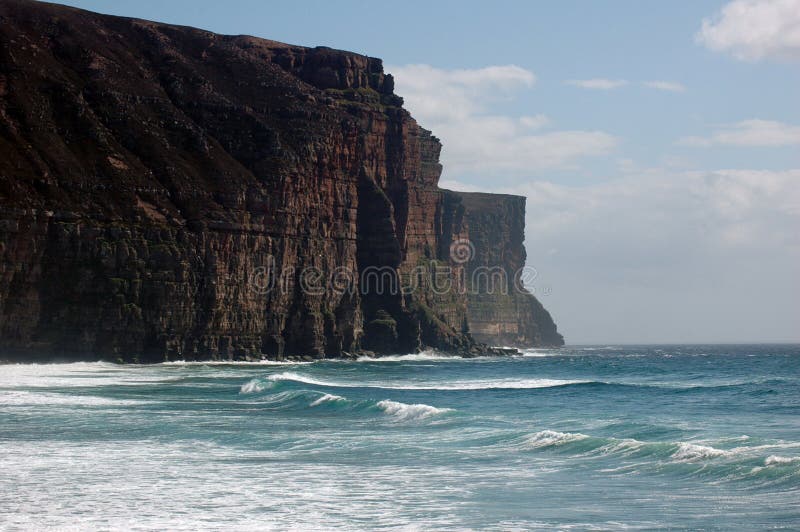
(500, 310)
(167, 192)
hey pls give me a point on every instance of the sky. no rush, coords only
(657, 143)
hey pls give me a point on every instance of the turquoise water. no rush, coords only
(588, 437)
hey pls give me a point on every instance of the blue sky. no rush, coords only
(660, 157)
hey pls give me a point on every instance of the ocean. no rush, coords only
(603, 437)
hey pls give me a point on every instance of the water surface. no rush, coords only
(585, 437)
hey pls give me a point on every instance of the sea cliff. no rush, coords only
(171, 193)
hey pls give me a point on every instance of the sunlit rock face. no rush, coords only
(170, 193)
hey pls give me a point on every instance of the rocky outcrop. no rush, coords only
(500, 309)
(168, 193)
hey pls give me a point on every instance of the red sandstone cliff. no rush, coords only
(165, 192)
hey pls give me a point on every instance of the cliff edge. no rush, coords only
(171, 193)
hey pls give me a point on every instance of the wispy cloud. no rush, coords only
(754, 29)
(753, 132)
(436, 94)
(598, 83)
(670, 86)
(456, 104)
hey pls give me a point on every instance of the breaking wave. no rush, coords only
(691, 458)
(234, 363)
(302, 399)
(328, 398)
(550, 438)
(691, 452)
(252, 386)
(501, 384)
(493, 384)
(409, 412)
(781, 460)
(413, 357)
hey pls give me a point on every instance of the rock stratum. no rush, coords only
(170, 193)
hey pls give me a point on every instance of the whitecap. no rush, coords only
(499, 384)
(429, 355)
(292, 376)
(690, 452)
(551, 438)
(409, 412)
(623, 446)
(233, 363)
(328, 398)
(252, 386)
(781, 460)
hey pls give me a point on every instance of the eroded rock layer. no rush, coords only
(166, 193)
(500, 309)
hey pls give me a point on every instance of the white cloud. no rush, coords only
(491, 144)
(752, 132)
(598, 83)
(436, 94)
(754, 29)
(455, 105)
(670, 86)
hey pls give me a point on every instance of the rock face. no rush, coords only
(170, 193)
(500, 310)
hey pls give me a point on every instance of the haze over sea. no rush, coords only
(635, 437)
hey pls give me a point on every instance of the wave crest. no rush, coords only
(410, 412)
(781, 460)
(552, 438)
(252, 386)
(328, 398)
(691, 452)
(494, 384)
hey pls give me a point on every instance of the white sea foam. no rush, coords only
(690, 452)
(252, 386)
(328, 398)
(781, 460)
(489, 384)
(625, 445)
(83, 374)
(768, 446)
(25, 398)
(541, 353)
(407, 412)
(429, 355)
(550, 438)
(497, 384)
(233, 363)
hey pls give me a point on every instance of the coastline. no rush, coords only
(477, 351)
